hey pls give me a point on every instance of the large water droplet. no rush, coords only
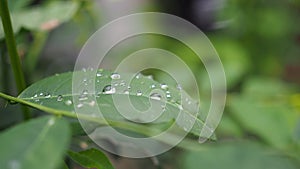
(115, 76)
(109, 90)
(164, 86)
(59, 98)
(155, 96)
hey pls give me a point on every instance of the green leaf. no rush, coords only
(91, 158)
(264, 110)
(42, 18)
(37, 143)
(56, 93)
(234, 155)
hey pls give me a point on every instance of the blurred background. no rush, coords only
(258, 42)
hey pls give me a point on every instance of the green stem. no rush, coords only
(137, 128)
(11, 46)
(12, 51)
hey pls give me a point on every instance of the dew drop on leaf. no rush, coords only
(139, 93)
(59, 98)
(115, 76)
(99, 74)
(155, 96)
(68, 102)
(164, 86)
(109, 90)
(47, 95)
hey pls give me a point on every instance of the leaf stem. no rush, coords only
(12, 51)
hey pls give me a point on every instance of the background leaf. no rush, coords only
(91, 158)
(42, 18)
(245, 155)
(37, 143)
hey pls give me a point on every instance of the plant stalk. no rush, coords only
(12, 51)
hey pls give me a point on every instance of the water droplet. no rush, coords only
(122, 83)
(168, 96)
(79, 105)
(164, 86)
(51, 122)
(180, 106)
(84, 69)
(155, 96)
(47, 95)
(185, 129)
(82, 97)
(59, 98)
(99, 74)
(153, 86)
(129, 87)
(109, 90)
(126, 92)
(85, 92)
(41, 94)
(92, 103)
(179, 87)
(35, 95)
(68, 102)
(138, 76)
(115, 76)
(139, 93)
(150, 77)
(98, 81)
(84, 80)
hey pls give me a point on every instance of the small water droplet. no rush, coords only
(138, 76)
(109, 90)
(168, 96)
(35, 95)
(41, 94)
(68, 102)
(79, 105)
(179, 87)
(150, 77)
(153, 86)
(122, 83)
(155, 96)
(85, 92)
(98, 81)
(47, 95)
(92, 103)
(51, 122)
(180, 106)
(115, 76)
(59, 98)
(99, 74)
(139, 93)
(126, 92)
(84, 69)
(164, 86)
(129, 87)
